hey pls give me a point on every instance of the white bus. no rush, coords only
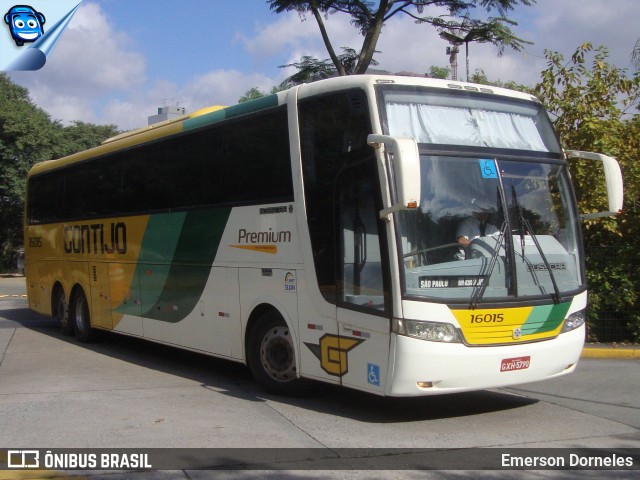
(327, 233)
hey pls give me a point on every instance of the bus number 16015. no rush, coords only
(487, 318)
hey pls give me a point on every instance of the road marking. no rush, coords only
(13, 296)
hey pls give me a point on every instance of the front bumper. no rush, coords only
(451, 368)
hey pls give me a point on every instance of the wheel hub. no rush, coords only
(277, 354)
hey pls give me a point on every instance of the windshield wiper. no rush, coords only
(479, 292)
(524, 225)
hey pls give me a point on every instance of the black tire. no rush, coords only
(81, 318)
(271, 357)
(60, 311)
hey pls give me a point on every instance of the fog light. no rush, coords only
(425, 384)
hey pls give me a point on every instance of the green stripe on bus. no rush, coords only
(191, 265)
(262, 103)
(256, 105)
(545, 318)
(161, 237)
(171, 289)
(209, 118)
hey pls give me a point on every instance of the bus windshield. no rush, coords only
(496, 219)
(490, 229)
(465, 119)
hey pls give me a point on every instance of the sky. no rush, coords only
(120, 60)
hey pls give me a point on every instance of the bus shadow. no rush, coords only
(23, 317)
(234, 379)
(370, 408)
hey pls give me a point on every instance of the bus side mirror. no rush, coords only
(403, 169)
(613, 180)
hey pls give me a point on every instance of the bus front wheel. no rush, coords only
(81, 318)
(271, 356)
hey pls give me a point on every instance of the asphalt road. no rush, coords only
(125, 393)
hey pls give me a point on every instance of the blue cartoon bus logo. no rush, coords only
(24, 23)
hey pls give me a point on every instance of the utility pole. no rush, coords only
(453, 60)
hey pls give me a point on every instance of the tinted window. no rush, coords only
(93, 189)
(143, 179)
(243, 161)
(45, 198)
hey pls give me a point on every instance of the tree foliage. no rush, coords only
(251, 94)
(27, 136)
(439, 72)
(254, 93)
(311, 69)
(369, 18)
(594, 106)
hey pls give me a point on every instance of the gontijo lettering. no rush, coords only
(96, 238)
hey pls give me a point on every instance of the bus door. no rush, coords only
(341, 193)
(363, 303)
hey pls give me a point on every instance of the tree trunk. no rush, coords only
(371, 39)
(327, 42)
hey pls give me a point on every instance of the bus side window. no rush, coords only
(361, 267)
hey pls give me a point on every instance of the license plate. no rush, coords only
(511, 364)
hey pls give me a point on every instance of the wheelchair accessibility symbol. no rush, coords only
(374, 374)
(488, 169)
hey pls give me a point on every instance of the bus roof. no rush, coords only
(167, 128)
(215, 114)
(367, 81)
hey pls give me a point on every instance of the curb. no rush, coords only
(624, 352)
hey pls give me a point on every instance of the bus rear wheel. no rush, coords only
(271, 356)
(60, 311)
(81, 318)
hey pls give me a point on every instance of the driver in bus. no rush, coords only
(476, 226)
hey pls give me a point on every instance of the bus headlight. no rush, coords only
(429, 331)
(574, 321)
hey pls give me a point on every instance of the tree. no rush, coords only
(480, 77)
(439, 72)
(27, 136)
(369, 18)
(254, 93)
(594, 106)
(311, 69)
(81, 136)
(251, 94)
